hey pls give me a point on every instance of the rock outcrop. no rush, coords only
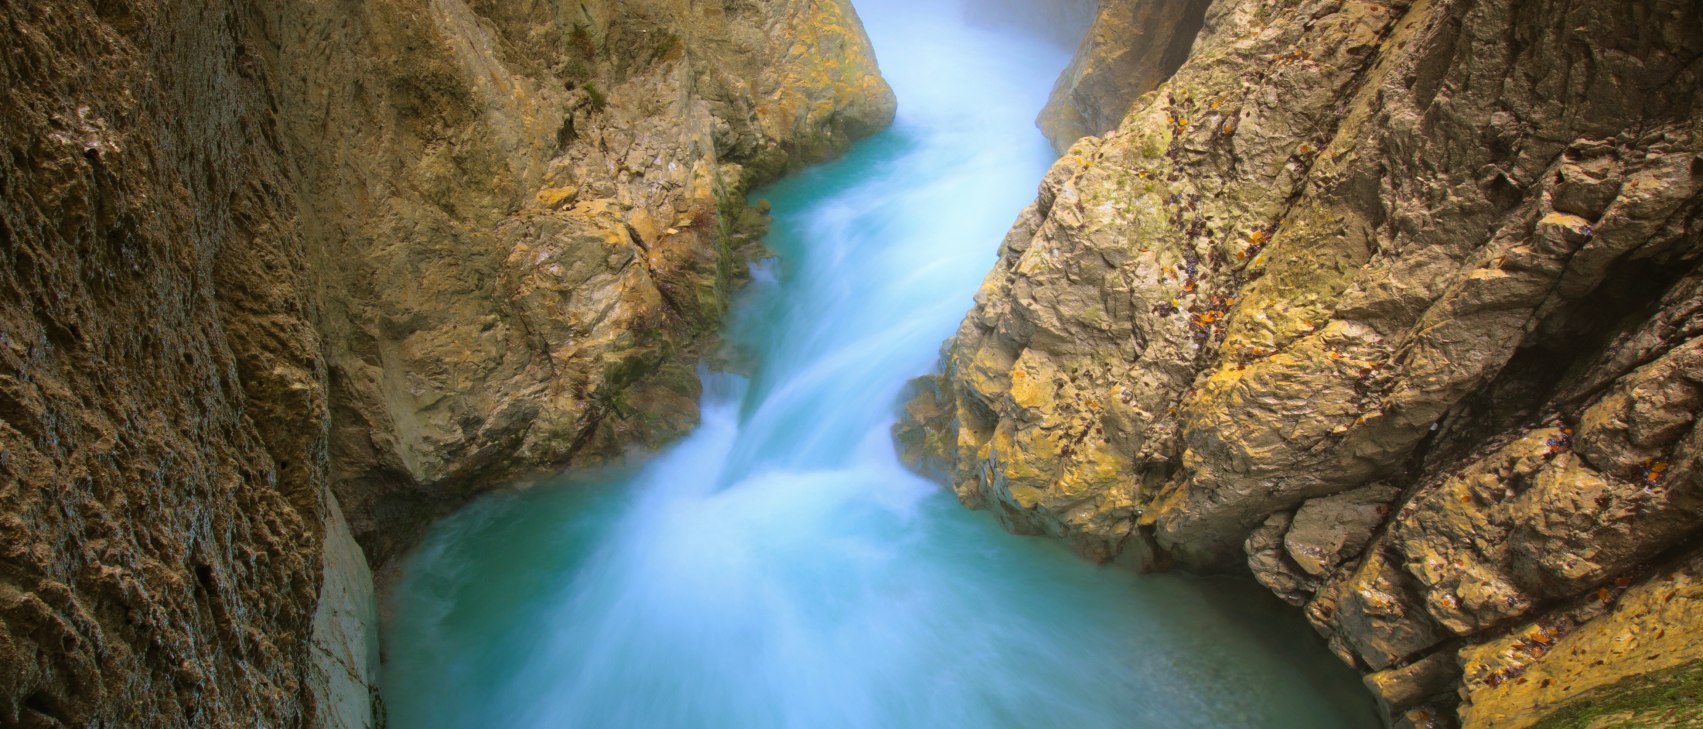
(264, 259)
(532, 214)
(1131, 48)
(1395, 303)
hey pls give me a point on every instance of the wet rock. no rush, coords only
(1351, 255)
(559, 226)
(344, 642)
(1455, 537)
(1435, 715)
(924, 435)
(1409, 686)
(1639, 664)
(1272, 565)
(1329, 531)
(1378, 614)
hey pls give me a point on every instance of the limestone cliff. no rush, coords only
(260, 259)
(1395, 303)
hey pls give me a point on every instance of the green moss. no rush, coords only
(1661, 699)
(598, 100)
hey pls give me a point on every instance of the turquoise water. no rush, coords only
(779, 568)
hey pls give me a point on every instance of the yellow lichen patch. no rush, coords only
(1634, 657)
(1029, 393)
(556, 197)
(1563, 220)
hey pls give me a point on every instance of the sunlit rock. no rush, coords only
(1346, 246)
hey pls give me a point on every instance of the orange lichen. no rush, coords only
(1654, 470)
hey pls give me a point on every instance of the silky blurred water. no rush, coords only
(779, 568)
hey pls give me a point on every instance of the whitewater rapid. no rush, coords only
(778, 567)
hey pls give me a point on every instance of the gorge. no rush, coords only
(779, 567)
(1390, 303)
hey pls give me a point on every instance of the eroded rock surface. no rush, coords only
(533, 217)
(1131, 48)
(263, 258)
(1640, 663)
(1395, 302)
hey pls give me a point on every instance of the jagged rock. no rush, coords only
(557, 226)
(1271, 564)
(1447, 249)
(254, 253)
(1269, 357)
(1131, 48)
(1407, 687)
(1435, 715)
(1639, 664)
(1376, 613)
(1328, 531)
(1455, 537)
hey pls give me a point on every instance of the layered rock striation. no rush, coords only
(1395, 303)
(265, 263)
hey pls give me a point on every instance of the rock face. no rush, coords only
(531, 217)
(1131, 48)
(1396, 303)
(263, 259)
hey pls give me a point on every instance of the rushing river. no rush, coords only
(778, 567)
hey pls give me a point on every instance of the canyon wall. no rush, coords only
(265, 263)
(529, 216)
(1394, 304)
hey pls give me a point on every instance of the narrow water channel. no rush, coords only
(779, 568)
